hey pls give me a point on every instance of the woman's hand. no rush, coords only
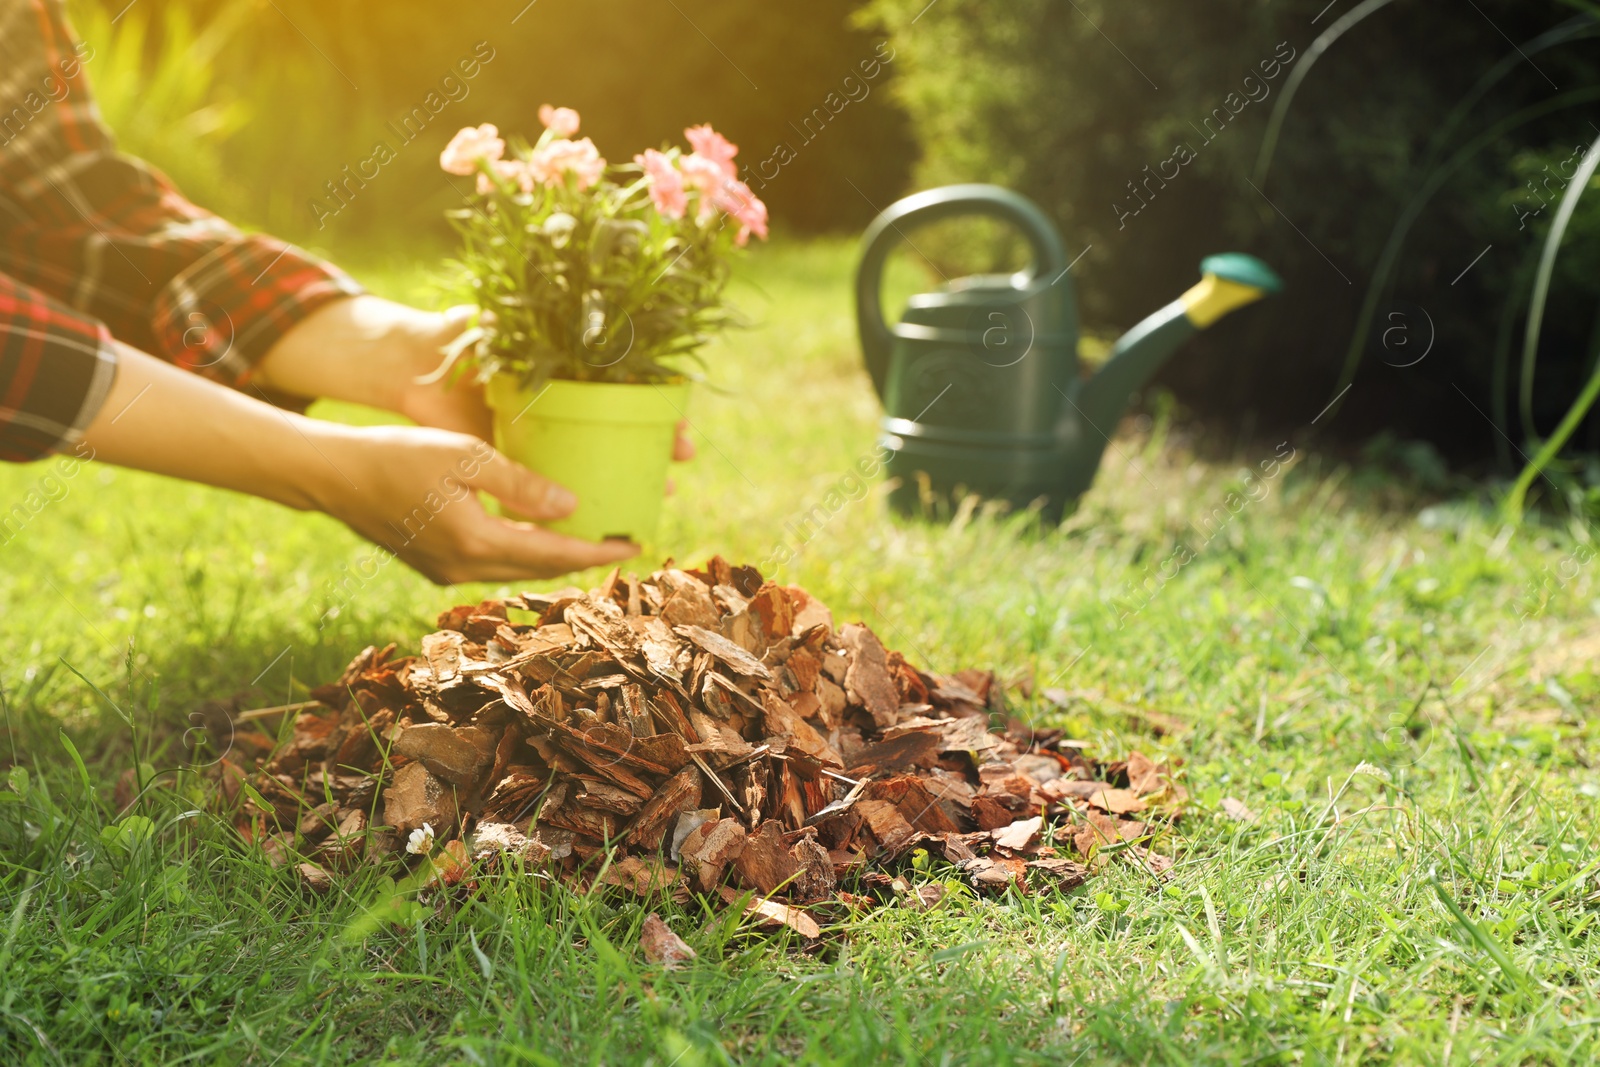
(372, 351)
(410, 488)
(414, 490)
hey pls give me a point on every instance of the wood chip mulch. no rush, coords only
(694, 731)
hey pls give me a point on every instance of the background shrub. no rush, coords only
(1070, 102)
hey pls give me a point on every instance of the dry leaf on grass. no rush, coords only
(663, 946)
(314, 878)
(1118, 801)
(1238, 810)
(771, 913)
(1020, 834)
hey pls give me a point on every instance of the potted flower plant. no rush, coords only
(595, 285)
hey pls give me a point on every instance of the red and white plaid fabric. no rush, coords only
(94, 244)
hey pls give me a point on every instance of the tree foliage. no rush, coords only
(323, 84)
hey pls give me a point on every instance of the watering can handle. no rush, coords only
(951, 201)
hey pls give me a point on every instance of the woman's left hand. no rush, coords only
(372, 351)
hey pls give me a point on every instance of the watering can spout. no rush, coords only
(1228, 282)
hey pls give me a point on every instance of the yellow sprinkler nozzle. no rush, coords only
(1229, 282)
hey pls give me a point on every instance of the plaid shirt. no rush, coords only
(96, 245)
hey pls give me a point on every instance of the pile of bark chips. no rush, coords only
(693, 731)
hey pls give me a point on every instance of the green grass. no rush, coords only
(1402, 692)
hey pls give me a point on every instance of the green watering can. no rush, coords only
(980, 379)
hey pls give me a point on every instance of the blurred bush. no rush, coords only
(257, 107)
(1138, 126)
(159, 90)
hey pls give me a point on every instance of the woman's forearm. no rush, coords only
(411, 489)
(365, 350)
(161, 419)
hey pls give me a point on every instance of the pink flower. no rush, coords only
(657, 166)
(710, 145)
(558, 158)
(719, 191)
(562, 121)
(507, 170)
(702, 173)
(735, 197)
(707, 176)
(470, 145)
(666, 183)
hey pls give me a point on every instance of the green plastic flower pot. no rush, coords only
(608, 443)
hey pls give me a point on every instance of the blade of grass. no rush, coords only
(1484, 939)
(1516, 499)
(77, 761)
(1420, 200)
(1269, 140)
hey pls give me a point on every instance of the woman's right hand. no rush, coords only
(413, 490)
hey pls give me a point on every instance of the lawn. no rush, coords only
(1382, 701)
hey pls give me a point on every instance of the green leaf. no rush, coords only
(83, 771)
(124, 716)
(171, 886)
(254, 797)
(485, 965)
(128, 833)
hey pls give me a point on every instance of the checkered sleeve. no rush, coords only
(56, 367)
(108, 236)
